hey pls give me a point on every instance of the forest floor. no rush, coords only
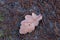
(12, 12)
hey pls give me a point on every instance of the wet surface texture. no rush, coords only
(12, 12)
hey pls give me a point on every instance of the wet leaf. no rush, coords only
(1, 33)
(1, 17)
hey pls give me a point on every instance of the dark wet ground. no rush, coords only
(12, 12)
